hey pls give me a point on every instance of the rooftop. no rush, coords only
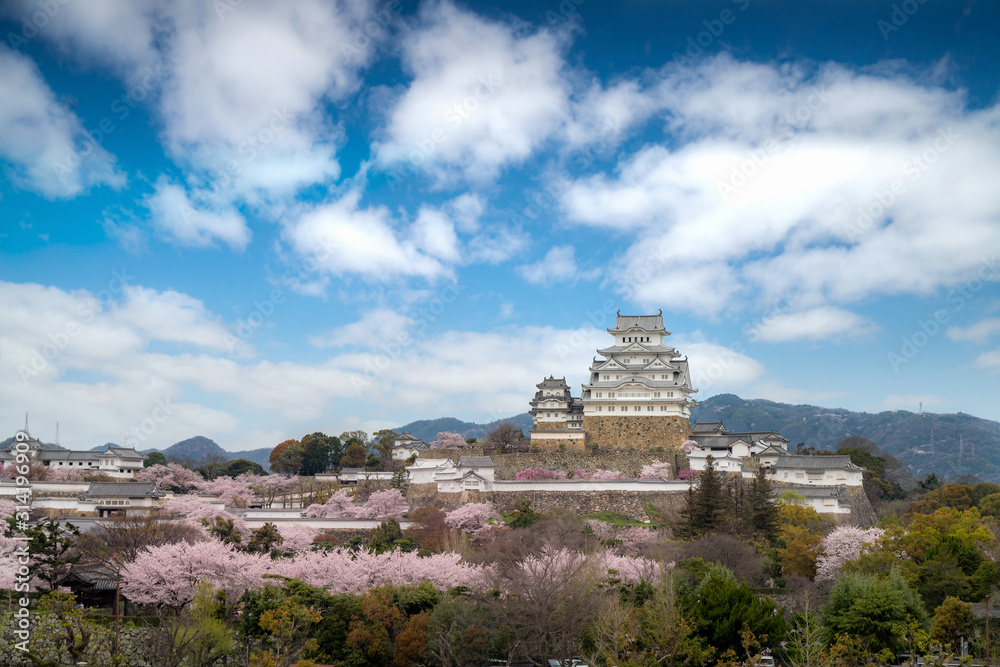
(123, 490)
(652, 323)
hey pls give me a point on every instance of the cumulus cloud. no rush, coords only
(376, 325)
(188, 224)
(44, 144)
(239, 90)
(822, 323)
(484, 95)
(558, 265)
(979, 332)
(825, 186)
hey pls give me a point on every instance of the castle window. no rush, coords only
(611, 408)
(649, 408)
(600, 408)
(670, 394)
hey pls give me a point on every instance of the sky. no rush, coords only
(255, 220)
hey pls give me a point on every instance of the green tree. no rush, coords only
(286, 457)
(317, 450)
(266, 538)
(52, 552)
(871, 609)
(952, 620)
(225, 530)
(154, 459)
(763, 509)
(522, 516)
(725, 609)
(705, 510)
(384, 441)
(354, 457)
(69, 638)
(388, 536)
(238, 467)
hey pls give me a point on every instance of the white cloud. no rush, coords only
(343, 238)
(484, 95)
(979, 332)
(989, 361)
(558, 265)
(818, 151)
(240, 90)
(376, 325)
(822, 323)
(187, 224)
(44, 144)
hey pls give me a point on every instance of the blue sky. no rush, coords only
(254, 220)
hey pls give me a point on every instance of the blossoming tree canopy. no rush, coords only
(474, 519)
(389, 504)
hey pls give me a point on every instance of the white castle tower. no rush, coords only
(638, 396)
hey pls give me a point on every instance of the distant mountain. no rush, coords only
(427, 429)
(948, 445)
(261, 456)
(45, 445)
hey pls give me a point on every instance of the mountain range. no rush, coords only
(949, 445)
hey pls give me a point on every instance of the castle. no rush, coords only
(638, 396)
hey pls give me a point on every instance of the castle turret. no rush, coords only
(557, 416)
(639, 394)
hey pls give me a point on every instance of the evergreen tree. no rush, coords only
(52, 553)
(707, 504)
(763, 509)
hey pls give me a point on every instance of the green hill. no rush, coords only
(962, 444)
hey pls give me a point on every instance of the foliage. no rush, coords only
(266, 538)
(286, 457)
(842, 545)
(869, 608)
(655, 470)
(71, 638)
(52, 551)
(952, 620)
(289, 627)
(473, 519)
(172, 476)
(154, 458)
(380, 505)
(354, 456)
(318, 453)
(522, 516)
(705, 509)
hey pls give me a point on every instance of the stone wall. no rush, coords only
(639, 432)
(549, 426)
(628, 462)
(577, 443)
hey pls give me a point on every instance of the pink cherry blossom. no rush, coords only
(172, 475)
(843, 544)
(655, 470)
(474, 519)
(296, 536)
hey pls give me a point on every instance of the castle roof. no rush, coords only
(552, 383)
(475, 462)
(708, 427)
(122, 490)
(652, 323)
(816, 462)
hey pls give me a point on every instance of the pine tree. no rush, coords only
(763, 509)
(706, 507)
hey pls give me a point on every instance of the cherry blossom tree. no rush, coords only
(201, 513)
(235, 492)
(169, 575)
(689, 446)
(655, 470)
(171, 476)
(474, 519)
(843, 544)
(447, 439)
(380, 505)
(67, 475)
(540, 473)
(297, 537)
(634, 537)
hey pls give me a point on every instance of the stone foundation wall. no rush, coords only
(638, 432)
(628, 462)
(572, 444)
(549, 426)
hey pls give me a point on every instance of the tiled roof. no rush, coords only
(707, 427)
(644, 322)
(66, 455)
(351, 471)
(122, 490)
(475, 462)
(816, 462)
